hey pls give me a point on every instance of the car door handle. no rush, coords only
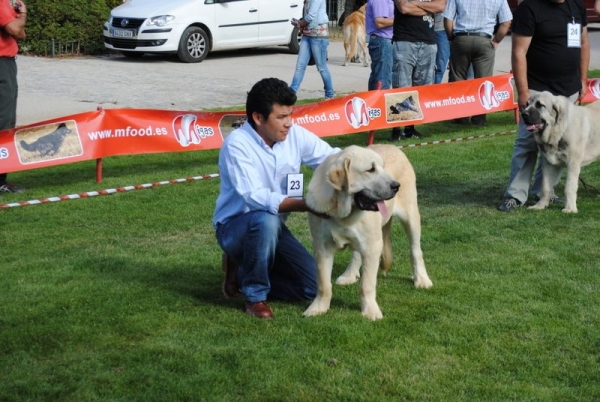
(252, 10)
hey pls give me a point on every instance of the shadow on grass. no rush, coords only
(202, 283)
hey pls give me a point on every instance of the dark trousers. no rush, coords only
(477, 51)
(8, 97)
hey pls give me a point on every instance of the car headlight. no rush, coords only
(161, 20)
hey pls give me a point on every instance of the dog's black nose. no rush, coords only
(395, 186)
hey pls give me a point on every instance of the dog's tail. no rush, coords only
(26, 146)
(386, 254)
(353, 41)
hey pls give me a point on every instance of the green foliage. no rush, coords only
(66, 21)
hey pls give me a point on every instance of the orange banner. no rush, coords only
(110, 132)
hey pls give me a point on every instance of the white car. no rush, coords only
(193, 28)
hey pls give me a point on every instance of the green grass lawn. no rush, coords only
(117, 298)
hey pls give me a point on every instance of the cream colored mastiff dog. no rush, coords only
(568, 135)
(360, 189)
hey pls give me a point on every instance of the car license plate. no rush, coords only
(122, 33)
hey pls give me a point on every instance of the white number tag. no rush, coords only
(295, 185)
(574, 35)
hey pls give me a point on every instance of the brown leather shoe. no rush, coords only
(260, 309)
(229, 286)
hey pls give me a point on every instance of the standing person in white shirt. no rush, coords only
(470, 26)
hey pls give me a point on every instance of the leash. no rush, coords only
(585, 187)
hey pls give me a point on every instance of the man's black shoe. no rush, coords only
(553, 200)
(478, 121)
(509, 205)
(461, 121)
(410, 132)
(396, 134)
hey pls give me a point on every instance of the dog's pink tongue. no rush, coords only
(382, 208)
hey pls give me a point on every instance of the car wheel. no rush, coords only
(294, 45)
(133, 55)
(193, 45)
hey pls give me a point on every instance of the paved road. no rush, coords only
(50, 88)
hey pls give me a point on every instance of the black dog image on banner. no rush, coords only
(48, 144)
(407, 105)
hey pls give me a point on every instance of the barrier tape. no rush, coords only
(473, 137)
(106, 192)
(208, 176)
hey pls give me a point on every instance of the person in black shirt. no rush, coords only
(550, 52)
(414, 48)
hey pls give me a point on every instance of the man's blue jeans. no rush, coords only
(382, 60)
(442, 56)
(272, 262)
(414, 64)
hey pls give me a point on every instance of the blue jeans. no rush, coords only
(271, 261)
(318, 48)
(382, 60)
(414, 64)
(442, 56)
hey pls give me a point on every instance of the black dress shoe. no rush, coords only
(410, 132)
(478, 120)
(462, 121)
(259, 309)
(396, 134)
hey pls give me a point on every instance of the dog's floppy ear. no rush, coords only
(560, 109)
(338, 174)
(558, 112)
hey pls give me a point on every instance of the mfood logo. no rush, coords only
(187, 132)
(357, 113)
(489, 97)
(594, 87)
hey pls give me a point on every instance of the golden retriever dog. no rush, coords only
(568, 135)
(355, 37)
(360, 190)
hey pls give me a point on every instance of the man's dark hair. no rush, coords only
(264, 94)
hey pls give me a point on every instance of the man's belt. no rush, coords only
(377, 36)
(483, 34)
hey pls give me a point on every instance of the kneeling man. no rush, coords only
(254, 164)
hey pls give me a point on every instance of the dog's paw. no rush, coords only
(569, 210)
(347, 279)
(539, 206)
(423, 282)
(317, 307)
(372, 312)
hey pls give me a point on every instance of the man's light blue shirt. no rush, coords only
(254, 175)
(477, 15)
